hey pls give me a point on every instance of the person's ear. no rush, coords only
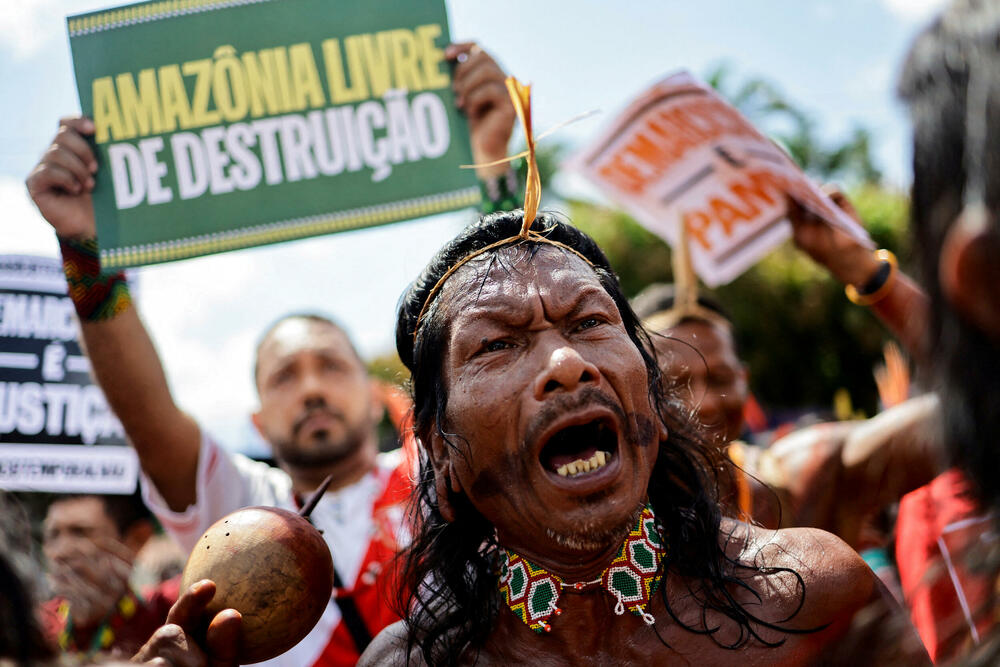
(378, 401)
(258, 424)
(138, 534)
(969, 270)
(445, 479)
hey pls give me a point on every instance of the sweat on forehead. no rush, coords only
(491, 229)
(513, 271)
(292, 326)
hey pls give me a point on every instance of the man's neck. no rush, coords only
(573, 565)
(587, 628)
(343, 473)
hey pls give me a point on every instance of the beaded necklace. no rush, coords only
(533, 593)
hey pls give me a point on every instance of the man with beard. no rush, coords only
(544, 538)
(317, 407)
(90, 543)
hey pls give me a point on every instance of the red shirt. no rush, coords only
(127, 627)
(938, 532)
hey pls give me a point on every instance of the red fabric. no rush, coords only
(376, 590)
(129, 634)
(753, 415)
(937, 525)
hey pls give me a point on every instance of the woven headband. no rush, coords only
(520, 95)
(667, 319)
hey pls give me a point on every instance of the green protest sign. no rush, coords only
(223, 124)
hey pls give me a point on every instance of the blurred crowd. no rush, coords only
(854, 541)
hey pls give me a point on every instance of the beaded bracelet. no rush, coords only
(880, 284)
(94, 296)
(500, 193)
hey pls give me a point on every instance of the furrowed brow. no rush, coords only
(588, 298)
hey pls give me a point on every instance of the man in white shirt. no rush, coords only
(318, 409)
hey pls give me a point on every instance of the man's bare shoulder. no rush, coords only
(389, 648)
(832, 578)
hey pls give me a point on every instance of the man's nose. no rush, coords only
(565, 371)
(313, 389)
(56, 547)
(709, 410)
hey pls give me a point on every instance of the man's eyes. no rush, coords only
(589, 323)
(333, 366)
(282, 376)
(291, 372)
(500, 344)
(495, 345)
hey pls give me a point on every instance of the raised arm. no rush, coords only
(902, 306)
(888, 456)
(836, 475)
(481, 94)
(121, 353)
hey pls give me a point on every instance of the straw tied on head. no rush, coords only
(520, 95)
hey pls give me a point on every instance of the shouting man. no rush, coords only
(543, 424)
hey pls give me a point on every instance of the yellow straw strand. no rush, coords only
(520, 95)
(551, 130)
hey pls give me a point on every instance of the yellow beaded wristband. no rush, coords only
(880, 293)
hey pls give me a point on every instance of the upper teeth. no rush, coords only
(598, 460)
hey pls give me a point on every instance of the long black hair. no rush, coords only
(450, 569)
(960, 45)
(955, 163)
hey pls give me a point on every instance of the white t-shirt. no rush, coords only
(350, 519)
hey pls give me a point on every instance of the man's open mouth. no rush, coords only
(580, 449)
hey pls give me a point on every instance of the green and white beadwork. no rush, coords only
(533, 593)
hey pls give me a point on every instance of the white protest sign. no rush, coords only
(57, 433)
(679, 152)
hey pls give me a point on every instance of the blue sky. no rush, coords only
(838, 59)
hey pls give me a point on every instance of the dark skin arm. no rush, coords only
(122, 356)
(834, 476)
(480, 93)
(904, 310)
(879, 633)
(855, 620)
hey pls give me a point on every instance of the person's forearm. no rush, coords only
(126, 366)
(904, 311)
(902, 308)
(128, 369)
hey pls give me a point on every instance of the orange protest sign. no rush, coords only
(680, 154)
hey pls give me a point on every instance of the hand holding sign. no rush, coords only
(256, 123)
(680, 154)
(62, 181)
(480, 93)
(842, 254)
